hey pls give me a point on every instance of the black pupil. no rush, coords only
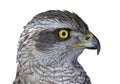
(63, 33)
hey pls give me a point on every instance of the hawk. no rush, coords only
(49, 47)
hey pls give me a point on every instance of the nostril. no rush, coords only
(87, 38)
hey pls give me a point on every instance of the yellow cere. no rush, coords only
(82, 45)
(63, 34)
(90, 36)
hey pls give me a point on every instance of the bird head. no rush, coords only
(58, 37)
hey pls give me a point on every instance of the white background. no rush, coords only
(102, 17)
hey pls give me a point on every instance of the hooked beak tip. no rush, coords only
(95, 44)
(98, 48)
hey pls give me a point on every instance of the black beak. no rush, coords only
(95, 44)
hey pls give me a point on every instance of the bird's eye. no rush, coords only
(63, 34)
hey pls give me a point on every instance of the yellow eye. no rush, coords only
(63, 34)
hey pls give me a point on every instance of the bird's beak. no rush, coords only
(93, 43)
(88, 41)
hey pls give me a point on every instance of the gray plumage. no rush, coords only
(44, 58)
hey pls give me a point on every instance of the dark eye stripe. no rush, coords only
(46, 39)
